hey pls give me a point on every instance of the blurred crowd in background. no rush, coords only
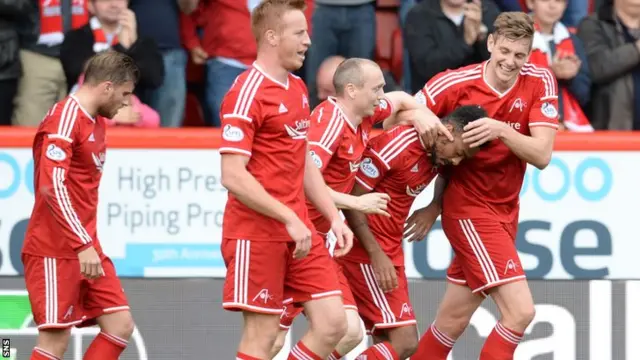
(190, 51)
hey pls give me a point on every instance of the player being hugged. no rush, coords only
(481, 202)
(267, 242)
(69, 279)
(399, 164)
(339, 133)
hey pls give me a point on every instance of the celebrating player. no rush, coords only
(69, 279)
(400, 164)
(267, 235)
(338, 136)
(481, 202)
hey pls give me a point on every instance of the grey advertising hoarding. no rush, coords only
(183, 319)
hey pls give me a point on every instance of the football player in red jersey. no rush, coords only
(397, 163)
(69, 279)
(268, 240)
(481, 202)
(339, 133)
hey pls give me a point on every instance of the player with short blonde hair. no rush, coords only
(481, 202)
(268, 239)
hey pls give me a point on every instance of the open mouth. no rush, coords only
(507, 70)
(301, 54)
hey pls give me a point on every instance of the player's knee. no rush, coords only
(261, 331)
(331, 328)
(525, 315)
(404, 341)
(118, 324)
(54, 341)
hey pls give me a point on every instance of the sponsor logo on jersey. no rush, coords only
(369, 168)
(300, 130)
(414, 192)
(232, 133)
(55, 153)
(549, 110)
(316, 159)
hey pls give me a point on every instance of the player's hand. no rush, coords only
(429, 127)
(481, 131)
(373, 203)
(344, 237)
(90, 264)
(384, 271)
(565, 66)
(301, 235)
(421, 221)
(199, 56)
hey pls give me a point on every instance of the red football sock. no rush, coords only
(301, 352)
(105, 347)
(335, 355)
(381, 351)
(241, 356)
(39, 354)
(434, 345)
(501, 344)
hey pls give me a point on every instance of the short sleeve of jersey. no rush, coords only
(382, 112)
(379, 158)
(241, 116)
(439, 94)
(544, 110)
(325, 134)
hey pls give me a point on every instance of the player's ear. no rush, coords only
(271, 37)
(490, 42)
(350, 91)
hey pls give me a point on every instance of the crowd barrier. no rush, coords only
(160, 220)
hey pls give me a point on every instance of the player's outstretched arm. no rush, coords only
(372, 203)
(408, 111)
(382, 265)
(238, 181)
(535, 149)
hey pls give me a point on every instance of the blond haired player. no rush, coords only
(267, 241)
(481, 201)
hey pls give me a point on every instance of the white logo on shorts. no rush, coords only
(405, 310)
(511, 265)
(263, 296)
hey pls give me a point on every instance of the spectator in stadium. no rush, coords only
(43, 82)
(611, 39)
(555, 47)
(324, 78)
(227, 47)
(113, 26)
(340, 27)
(12, 12)
(447, 34)
(160, 20)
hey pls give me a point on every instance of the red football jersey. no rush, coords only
(488, 185)
(69, 151)
(336, 148)
(397, 163)
(268, 122)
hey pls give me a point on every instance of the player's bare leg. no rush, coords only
(115, 330)
(327, 325)
(279, 343)
(52, 344)
(454, 314)
(352, 338)
(517, 310)
(258, 335)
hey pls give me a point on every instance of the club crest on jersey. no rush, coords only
(99, 160)
(369, 168)
(518, 104)
(421, 98)
(55, 153)
(549, 110)
(300, 130)
(316, 159)
(232, 133)
(415, 191)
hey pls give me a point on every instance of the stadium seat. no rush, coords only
(389, 42)
(193, 114)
